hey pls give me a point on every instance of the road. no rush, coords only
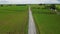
(31, 27)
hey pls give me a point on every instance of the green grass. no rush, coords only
(13, 20)
(58, 7)
(46, 22)
(13, 8)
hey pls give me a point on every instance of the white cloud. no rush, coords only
(27, 1)
(49, 1)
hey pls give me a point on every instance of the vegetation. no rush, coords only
(46, 22)
(13, 19)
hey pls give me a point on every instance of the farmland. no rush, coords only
(13, 19)
(46, 22)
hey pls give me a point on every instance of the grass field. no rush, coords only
(13, 19)
(46, 22)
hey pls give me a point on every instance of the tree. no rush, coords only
(53, 8)
(1, 5)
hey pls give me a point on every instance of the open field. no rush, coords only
(46, 22)
(58, 7)
(13, 19)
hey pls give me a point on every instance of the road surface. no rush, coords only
(31, 27)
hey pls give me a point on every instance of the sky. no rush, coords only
(28, 1)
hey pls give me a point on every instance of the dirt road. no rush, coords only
(31, 27)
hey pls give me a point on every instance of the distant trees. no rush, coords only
(20, 4)
(4, 5)
(1, 5)
(53, 8)
(12, 5)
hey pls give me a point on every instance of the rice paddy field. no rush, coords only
(13, 19)
(46, 22)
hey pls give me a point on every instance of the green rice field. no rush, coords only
(46, 22)
(13, 19)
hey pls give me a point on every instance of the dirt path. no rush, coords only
(31, 27)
